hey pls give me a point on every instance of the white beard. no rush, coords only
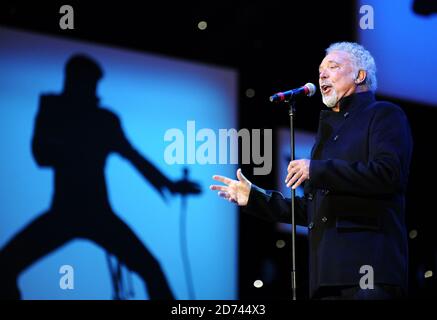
(330, 100)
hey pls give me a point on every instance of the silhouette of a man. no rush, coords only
(74, 136)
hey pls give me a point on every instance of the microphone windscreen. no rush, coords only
(311, 89)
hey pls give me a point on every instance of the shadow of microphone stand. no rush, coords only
(116, 271)
(184, 242)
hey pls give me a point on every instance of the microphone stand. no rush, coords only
(290, 97)
(291, 112)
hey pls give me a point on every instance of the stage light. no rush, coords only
(202, 25)
(250, 93)
(428, 274)
(258, 284)
(280, 244)
(413, 234)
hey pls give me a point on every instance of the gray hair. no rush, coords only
(361, 58)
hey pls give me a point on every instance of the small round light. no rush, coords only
(280, 244)
(202, 25)
(258, 284)
(250, 93)
(413, 234)
(428, 274)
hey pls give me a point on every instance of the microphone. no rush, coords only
(308, 90)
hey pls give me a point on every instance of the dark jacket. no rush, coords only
(354, 203)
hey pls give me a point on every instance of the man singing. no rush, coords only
(355, 184)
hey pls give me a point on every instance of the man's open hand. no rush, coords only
(236, 191)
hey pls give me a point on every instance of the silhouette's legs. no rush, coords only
(118, 239)
(43, 235)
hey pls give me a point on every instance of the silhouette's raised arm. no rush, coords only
(146, 168)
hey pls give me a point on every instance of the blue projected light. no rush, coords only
(149, 94)
(304, 142)
(404, 46)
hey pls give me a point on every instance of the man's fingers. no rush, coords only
(288, 177)
(217, 187)
(295, 177)
(293, 164)
(299, 182)
(297, 173)
(240, 176)
(224, 195)
(291, 172)
(227, 196)
(223, 179)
